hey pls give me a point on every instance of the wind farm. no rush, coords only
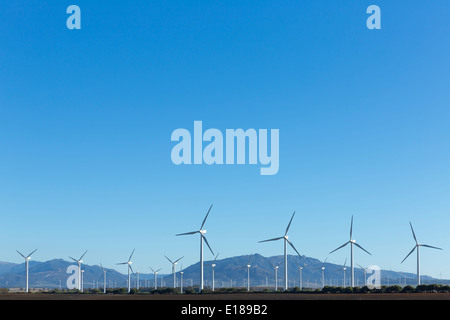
(261, 274)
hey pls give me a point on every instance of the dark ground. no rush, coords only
(229, 297)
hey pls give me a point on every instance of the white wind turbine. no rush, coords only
(248, 266)
(104, 278)
(323, 272)
(300, 269)
(173, 269)
(129, 269)
(202, 237)
(155, 272)
(417, 246)
(275, 267)
(352, 242)
(213, 265)
(344, 269)
(79, 261)
(27, 259)
(286, 241)
(181, 278)
(365, 273)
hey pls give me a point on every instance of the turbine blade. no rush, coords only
(169, 259)
(271, 239)
(122, 263)
(159, 270)
(82, 255)
(325, 260)
(184, 234)
(249, 258)
(362, 248)
(129, 259)
(179, 259)
(152, 270)
(289, 225)
(31, 253)
(345, 262)
(216, 257)
(292, 245)
(204, 220)
(73, 259)
(340, 247)
(131, 268)
(414, 235)
(21, 254)
(351, 228)
(409, 253)
(206, 241)
(425, 245)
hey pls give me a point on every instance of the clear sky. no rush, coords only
(86, 118)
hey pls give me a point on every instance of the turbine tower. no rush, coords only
(300, 269)
(352, 242)
(365, 274)
(104, 278)
(129, 269)
(79, 261)
(248, 266)
(344, 269)
(173, 269)
(275, 267)
(27, 258)
(202, 237)
(417, 246)
(323, 272)
(155, 272)
(213, 265)
(286, 241)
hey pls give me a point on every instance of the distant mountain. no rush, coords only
(5, 267)
(229, 272)
(53, 274)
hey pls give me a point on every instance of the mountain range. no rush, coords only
(229, 272)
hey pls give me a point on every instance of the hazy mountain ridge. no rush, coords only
(230, 271)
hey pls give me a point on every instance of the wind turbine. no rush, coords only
(213, 265)
(286, 241)
(104, 278)
(181, 279)
(418, 257)
(323, 272)
(129, 269)
(300, 268)
(79, 261)
(173, 269)
(155, 272)
(202, 237)
(248, 266)
(365, 274)
(27, 258)
(352, 242)
(344, 269)
(275, 267)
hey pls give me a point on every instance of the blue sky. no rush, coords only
(86, 118)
